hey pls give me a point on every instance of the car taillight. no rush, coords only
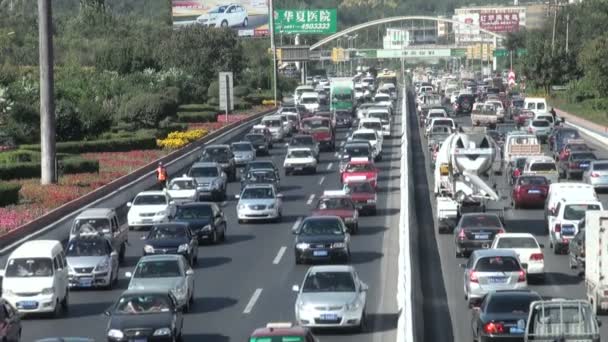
(494, 328)
(573, 164)
(530, 130)
(558, 228)
(473, 277)
(595, 174)
(522, 276)
(462, 235)
(537, 256)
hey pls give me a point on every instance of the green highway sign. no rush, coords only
(366, 54)
(306, 21)
(414, 52)
(501, 53)
(458, 52)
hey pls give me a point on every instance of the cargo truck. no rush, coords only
(342, 94)
(596, 259)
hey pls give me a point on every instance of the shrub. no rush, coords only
(259, 97)
(213, 90)
(32, 169)
(240, 91)
(9, 193)
(79, 165)
(106, 145)
(214, 101)
(197, 107)
(206, 116)
(240, 104)
(147, 110)
(19, 156)
(176, 140)
(69, 126)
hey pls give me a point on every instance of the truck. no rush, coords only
(520, 144)
(342, 94)
(596, 242)
(564, 320)
(484, 115)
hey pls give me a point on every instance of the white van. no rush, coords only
(311, 101)
(571, 190)
(301, 90)
(35, 279)
(275, 126)
(564, 220)
(536, 104)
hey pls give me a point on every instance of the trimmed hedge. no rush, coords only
(70, 165)
(19, 156)
(198, 107)
(9, 193)
(204, 116)
(257, 98)
(107, 145)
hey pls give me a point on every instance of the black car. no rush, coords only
(145, 315)
(475, 231)
(261, 164)
(221, 154)
(344, 118)
(259, 176)
(305, 140)
(259, 142)
(502, 315)
(362, 149)
(322, 238)
(172, 238)
(464, 104)
(206, 220)
(576, 251)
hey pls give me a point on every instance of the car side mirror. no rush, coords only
(295, 288)
(129, 204)
(190, 272)
(128, 274)
(364, 288)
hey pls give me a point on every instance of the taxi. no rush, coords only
(282, 332)
(360, 167)
(338, 203)
(362, 193)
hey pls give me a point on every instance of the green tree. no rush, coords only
(592, 59)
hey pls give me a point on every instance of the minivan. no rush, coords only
(35, 279)
(102, 221)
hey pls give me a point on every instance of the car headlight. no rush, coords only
(103, 266)
(48, 291)
(353, 306)
(338, 245)
(302, 245)
(182, 248)
(161, 213)
(286, 164)
(162, 332)
(240, 207)
(148, 249)
(116, 334)
(206, 228)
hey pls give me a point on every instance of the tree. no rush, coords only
(544, 68)
(593, 61)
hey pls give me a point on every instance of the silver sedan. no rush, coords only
(243, 151)
(259, 202)
(597, 174)
(331, 297)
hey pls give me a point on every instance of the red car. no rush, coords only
(530, 191)
(321, 130)
(523, 116)
(360, 168)
(363, 195)
(282, 332)
(338, 203)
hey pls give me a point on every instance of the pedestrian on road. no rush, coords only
(161, 175)
(554, 114)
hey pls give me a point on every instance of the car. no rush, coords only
(102, 221)
(344, 118)
(374, 139)
(259, 202)
(259, 142)
(261, 164)
(363, 194)
(321, 129)
(221, 154)
(205, 219)
(564, 220)
(224, 16)
(172, 238)
(331, 296)
(354, 149)
(183, 189)
(210, 180)
(360, 167)
(305, 140)
(373, 123)
(260, 176)
(576, 164)
(338, 203)
(65, 339)
(287, 124)
(243, 152)
(542, 166)
(145, 314)
(529, 251)
(464, 104)
(300, 159)
(165, 273)
(597, 174)
(262, 129)
(11, 322)
(92, 262)
(577, 146)
(499, 313)
(274, 123)
(149, 208)
(282, 331)
(475, 231)
(530, 191)
(541, 128)
(490, 270)
(321, 238)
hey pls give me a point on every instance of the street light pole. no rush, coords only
(48, 172)
(274, 50)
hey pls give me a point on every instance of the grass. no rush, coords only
(584, 110)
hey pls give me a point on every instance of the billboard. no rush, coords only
(248, 17)
(499, 19)
(306, 21)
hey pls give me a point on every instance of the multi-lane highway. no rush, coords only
(246, 282)
(442, 278)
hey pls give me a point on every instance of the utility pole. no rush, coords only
(274, 51)
(48, 172)
(567, 30)
(554, 27)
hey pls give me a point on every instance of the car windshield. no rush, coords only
(381, 98)
(475, 221)
(442, 122)
(356, 151)
(273, 123)
(366, 167)
(255, 138)
(300, 154)
(91, 225)
(295, 141)
(260, 165)
(257, 193)
(543, 167)
(510, 304)
(372, 125)
(242, 147)
(364, 187)
(321, 227)
(541, 123)
(583, 156)
(314, 124)
(365, 136)
(329, 282)
(194, 212)
(204, 172)
(576, 212)
(158, 269)
(182, 185)
(517, 242)
(87, 247)
(335, 204)
(216, 153)
(309, 100)
(538, 181)
(150, 200)
(220, 9)
(263, 175)
(29, 267)
(600, 166)
(167, 232)
(141, 304)
(497, 264)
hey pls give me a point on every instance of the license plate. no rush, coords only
(146, 221)
(516, 330)
(329, 317)
(27, 305)
(534, 191)
(319, 253)
(85, 282)
(567, 230)
(482, 236)
(496, 280)
(140, 340)
(584, 166)
(298, 168)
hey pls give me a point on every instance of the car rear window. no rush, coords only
(442, 123)
(516, 242)
(497, 264)
(576, 212)
(600, 166)
(510, 304)
(277, 339)
(542, 167)
(480, 221)
(540, 123)
(532, 181)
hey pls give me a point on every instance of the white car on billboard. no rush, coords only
(225, 16)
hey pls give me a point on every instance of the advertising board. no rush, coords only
(306, 21)
(499, 19)
(248, 17)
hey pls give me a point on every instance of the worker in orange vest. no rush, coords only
(161, 175)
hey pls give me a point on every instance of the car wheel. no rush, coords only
(121, 255)
(241, 221)
(215, 238)
(224, 23)
(245, 22)
(224, 234)
(362, 324)
(298, 259)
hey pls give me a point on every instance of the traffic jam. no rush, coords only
(517, 204)
(187, 213)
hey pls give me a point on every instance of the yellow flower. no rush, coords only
(176, 140)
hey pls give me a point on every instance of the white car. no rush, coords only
(528, 250)
(310, 101)
(149, 208)
(383, 99)
(183, 189)
(259, 202)
(225, 16)
(374, 139)
(371, 123)
(384, 116)
(300, 159)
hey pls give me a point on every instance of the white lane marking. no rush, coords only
(277, 259)
(336, 154)
(310, 199)
(254, 298)
(321, 180)
(296, 224)
(329, 166)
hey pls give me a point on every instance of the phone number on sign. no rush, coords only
(320, 26)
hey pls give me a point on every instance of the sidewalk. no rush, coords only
(593, 130)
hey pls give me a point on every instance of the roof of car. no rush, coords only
(34, 248)
(149, 291)
(299, 149)
(331, 268)
(96, 213)
(217, 146)
(196, 204)
(205, 164)
(262, 185)
(479, 214)
(152, 192)
(160, 257)
(484, 253)
(516, 235)
(292, 331)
